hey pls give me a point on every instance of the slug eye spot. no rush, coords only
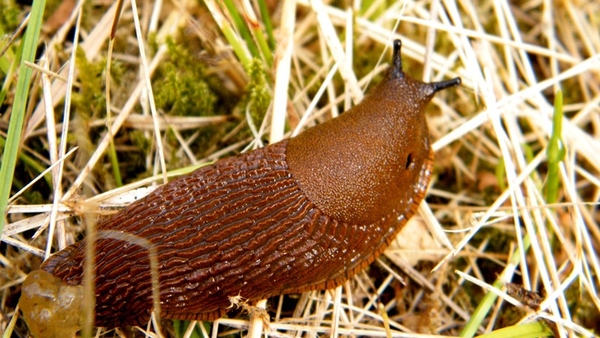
(410, 162)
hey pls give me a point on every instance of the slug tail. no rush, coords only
(59, 258)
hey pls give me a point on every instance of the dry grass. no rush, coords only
(488, 208)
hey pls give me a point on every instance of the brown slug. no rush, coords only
(302, 214)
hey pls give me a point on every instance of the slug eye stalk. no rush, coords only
(437, 86)
(397, 71)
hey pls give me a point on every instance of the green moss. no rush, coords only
(89, 105)
(182, 90)
(152, 43)
(9, 16)
(9, 20)
(184, 86)
(139, 139)
(258, 96)
(89, 100)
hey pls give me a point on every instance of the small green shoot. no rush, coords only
(241, 26)
(251, 31)
(530, 330)
(489, 299)
(230, 34)
(555, 150)
(247, 39)
(266, 19)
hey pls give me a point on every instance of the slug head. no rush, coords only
(406, 90)
(374, 161)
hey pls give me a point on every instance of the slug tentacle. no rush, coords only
(396, 70)
(303, 214)
(437, 86)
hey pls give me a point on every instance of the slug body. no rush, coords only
(303, 214)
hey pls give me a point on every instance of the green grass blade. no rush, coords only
(488, 300)
(480, 312)
(262, 44)
(259, 34)
(501, 174)
(17, 118)
(112, 151)
(530, 330)
(266, 19)
(230, 34)
(242, 28)
(555, 151)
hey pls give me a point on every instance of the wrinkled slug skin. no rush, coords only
(302, 214)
